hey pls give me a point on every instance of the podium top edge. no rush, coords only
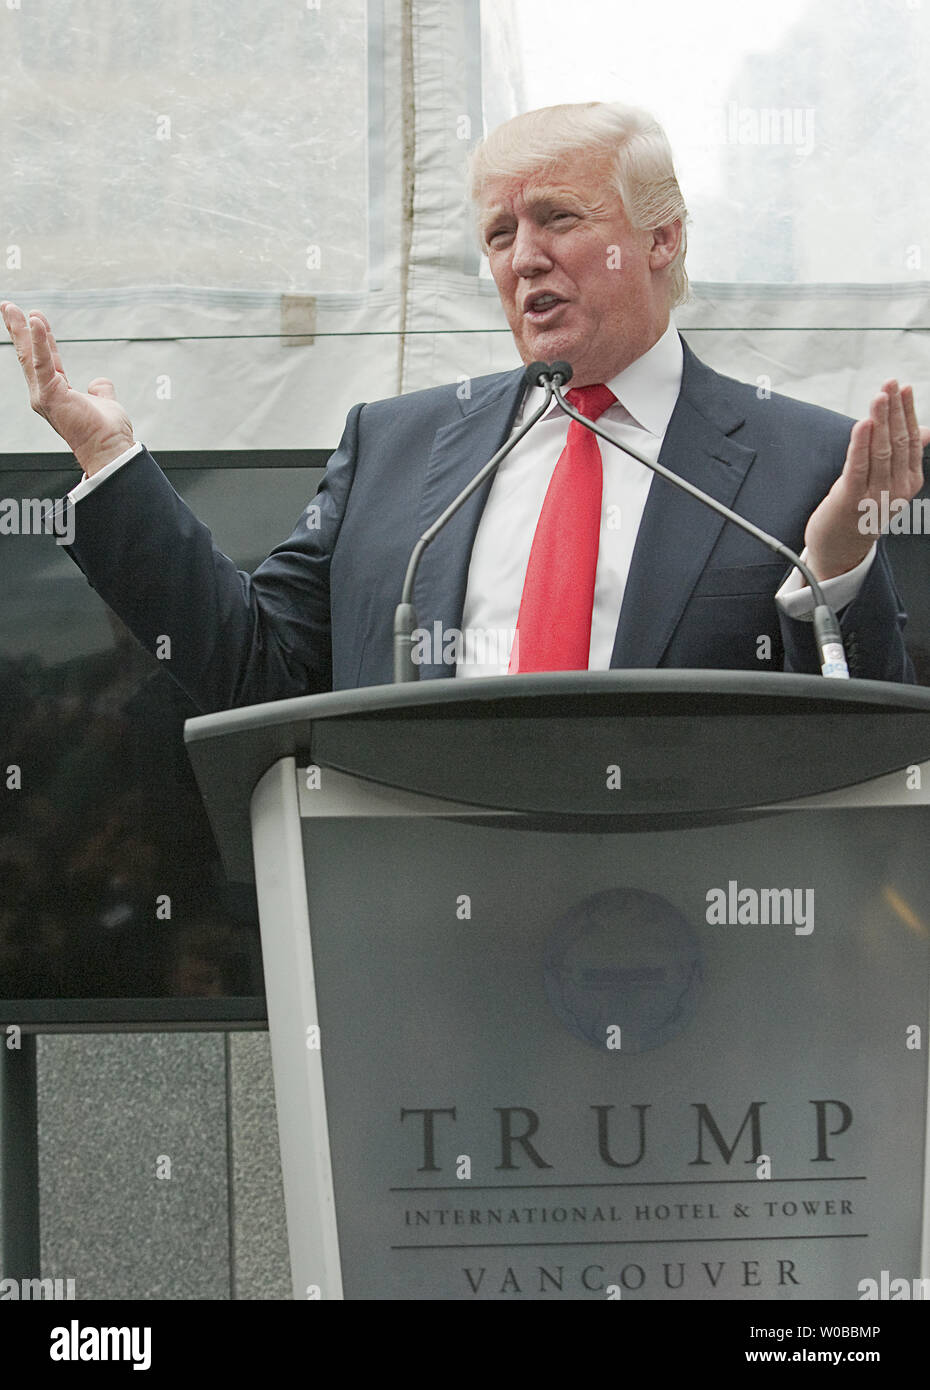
(569, 685)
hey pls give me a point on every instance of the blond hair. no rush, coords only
(643, 164)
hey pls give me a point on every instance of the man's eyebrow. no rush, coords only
(538, 197)
(555, 194)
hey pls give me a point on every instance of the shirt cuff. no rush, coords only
(87, 485)
(795, 597)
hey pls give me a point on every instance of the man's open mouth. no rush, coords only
(540, 307)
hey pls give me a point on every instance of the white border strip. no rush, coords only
(284, 916)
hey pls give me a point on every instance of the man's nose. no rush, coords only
(530, 253)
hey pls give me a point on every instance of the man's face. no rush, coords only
(576, 280)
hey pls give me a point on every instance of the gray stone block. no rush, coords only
(117, 1114)
(261, 1267)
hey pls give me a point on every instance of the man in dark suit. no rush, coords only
(583, 223)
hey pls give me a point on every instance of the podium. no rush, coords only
(592, 985)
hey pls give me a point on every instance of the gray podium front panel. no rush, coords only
(679, 1064)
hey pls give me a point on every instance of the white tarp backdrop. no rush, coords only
(208, 199)
(204, 187)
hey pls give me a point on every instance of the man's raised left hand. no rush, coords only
(884, 456)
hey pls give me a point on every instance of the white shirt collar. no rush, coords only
(648, 388)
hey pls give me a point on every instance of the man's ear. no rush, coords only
(665, 243)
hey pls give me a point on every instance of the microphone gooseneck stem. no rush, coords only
(826, 626)
(405, 618)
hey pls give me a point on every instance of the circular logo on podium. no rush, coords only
(623, 970)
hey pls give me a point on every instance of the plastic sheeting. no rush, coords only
(799, 129)
(197, 145)
(241, 271)
(206, 201)
(799, 132)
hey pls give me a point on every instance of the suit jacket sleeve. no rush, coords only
(235, 639)
(872, 627)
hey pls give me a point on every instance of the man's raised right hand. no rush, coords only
(95, 426)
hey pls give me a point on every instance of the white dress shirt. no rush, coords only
(87, 485)
(646, 394)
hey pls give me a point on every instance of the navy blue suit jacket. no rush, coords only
(318, 613)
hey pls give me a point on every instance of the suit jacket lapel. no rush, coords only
(459, 450)
(678, 533)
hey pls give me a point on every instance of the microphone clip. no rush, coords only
(556, 374)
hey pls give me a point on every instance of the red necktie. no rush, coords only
(554, 623)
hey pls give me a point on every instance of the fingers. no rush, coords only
(53, 346)
(905, 477)
(917, 438)
(886, 450)
(900, 438)
(45, 371)
(34, 342)
(857, 467)
(880, 451)
(18, 329)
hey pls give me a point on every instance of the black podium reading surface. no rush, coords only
(591, 985)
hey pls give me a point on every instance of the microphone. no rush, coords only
(826, 627)
(405, 618)
(560, 373)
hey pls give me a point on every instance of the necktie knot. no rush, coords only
(591, 400)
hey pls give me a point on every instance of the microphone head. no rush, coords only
(563, 370)
(537, 373)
